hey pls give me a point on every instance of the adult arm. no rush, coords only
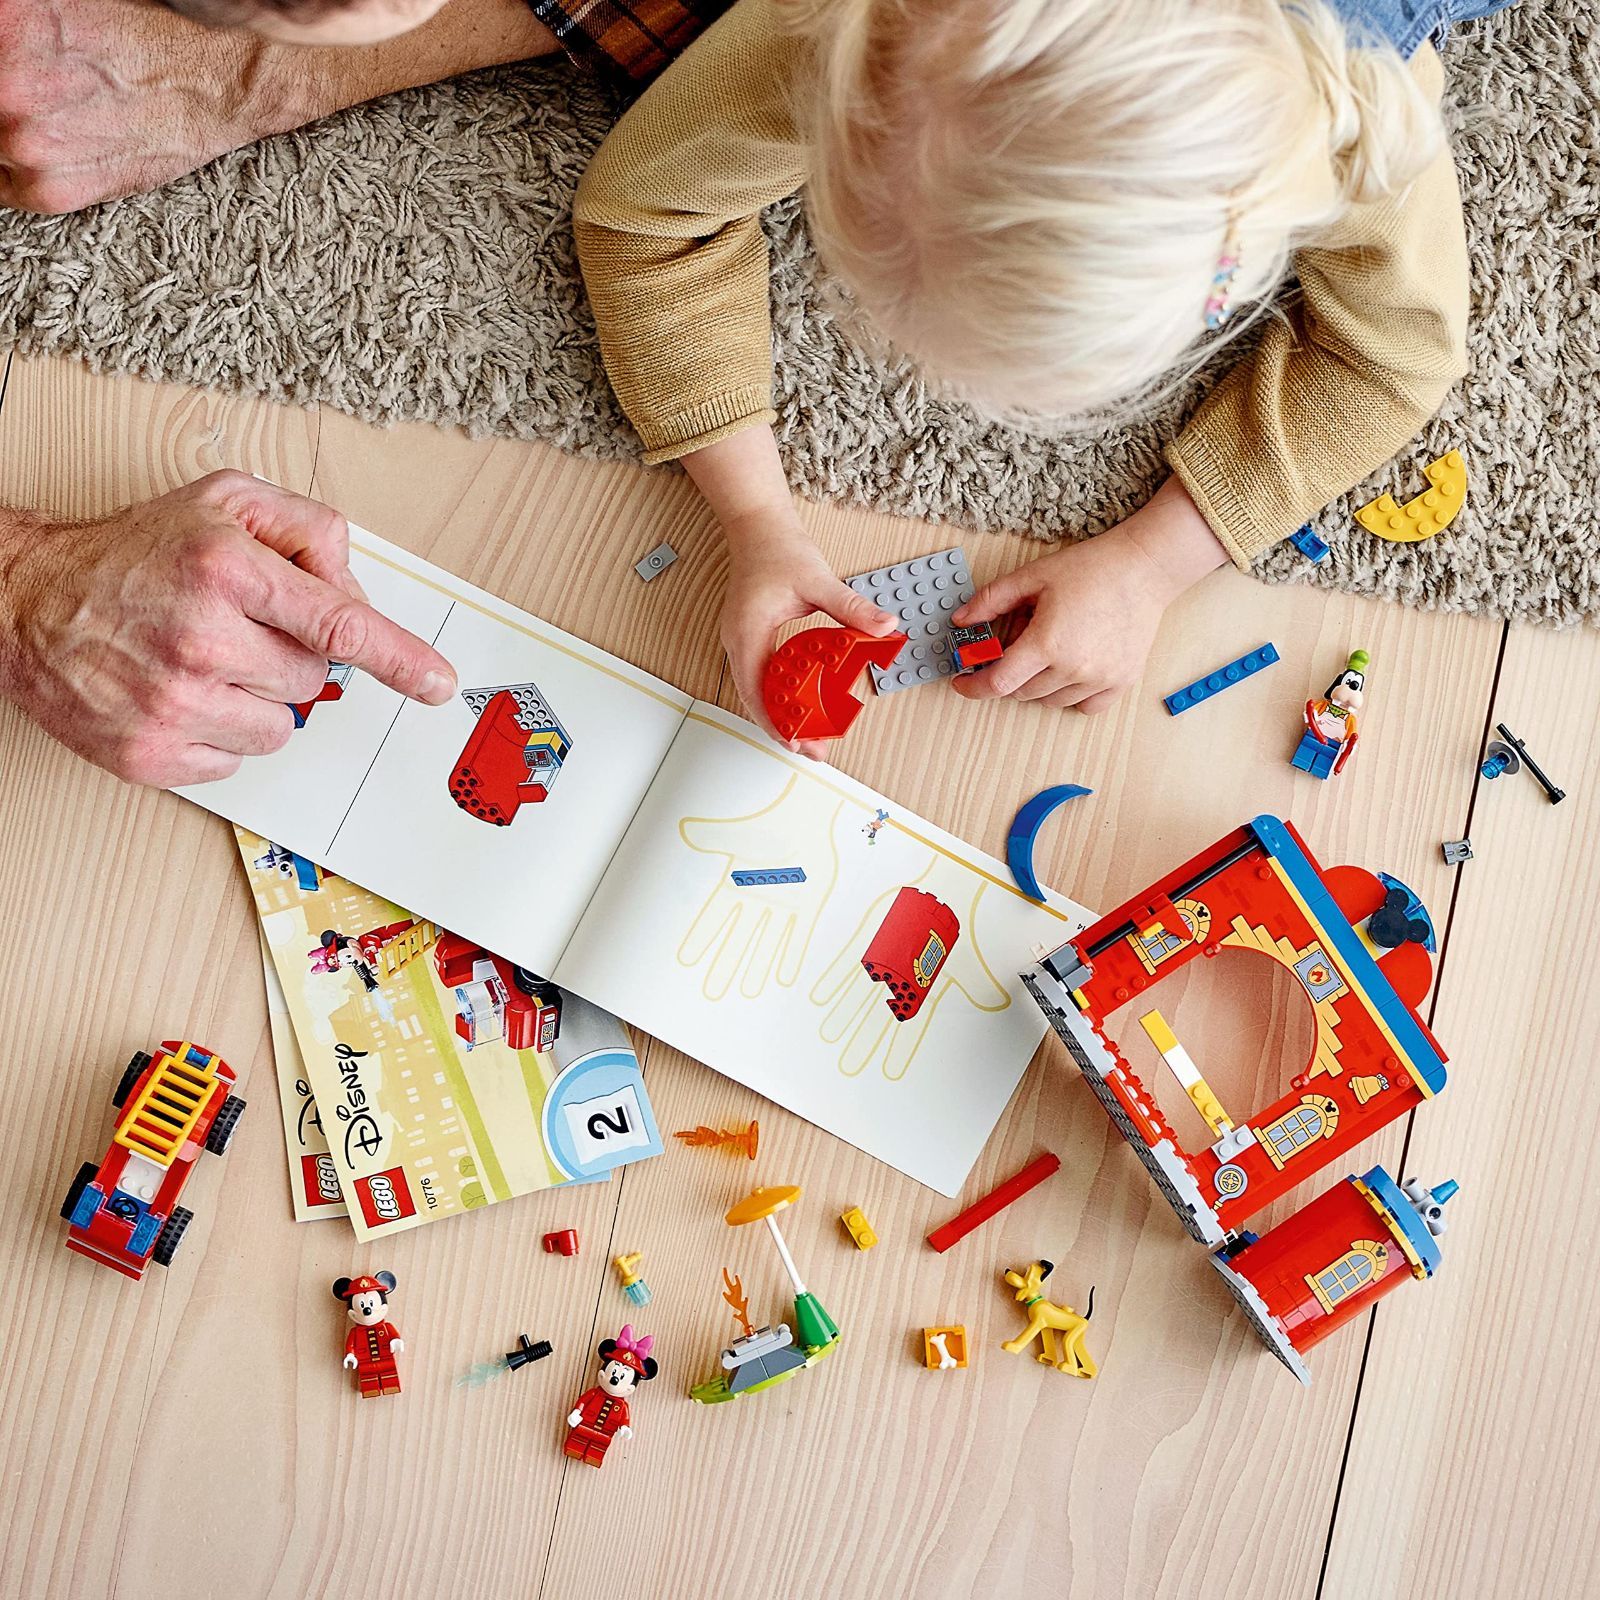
(100, 98)
(1363, 359)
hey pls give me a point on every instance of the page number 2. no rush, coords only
(606, 1123)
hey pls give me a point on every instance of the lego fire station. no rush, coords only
(1358, 944)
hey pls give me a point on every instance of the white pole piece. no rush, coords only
(788, 1260)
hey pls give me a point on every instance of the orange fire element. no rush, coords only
(742, 1141)
(736, 1297)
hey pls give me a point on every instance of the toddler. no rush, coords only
(1058, 207)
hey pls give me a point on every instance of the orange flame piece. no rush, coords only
(742, 1141)
(736, 1297)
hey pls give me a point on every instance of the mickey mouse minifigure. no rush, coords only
(373, 1343)
(601, 1413)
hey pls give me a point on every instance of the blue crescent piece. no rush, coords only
(1025, 829)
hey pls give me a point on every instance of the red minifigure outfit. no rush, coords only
(377, 1372)
(603, 1415)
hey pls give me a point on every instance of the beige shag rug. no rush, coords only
(412, 259)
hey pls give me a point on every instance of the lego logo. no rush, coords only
(385, 1197)
(321, 1180)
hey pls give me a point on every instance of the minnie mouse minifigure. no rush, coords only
(601, 1413)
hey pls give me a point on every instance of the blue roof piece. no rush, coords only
(1422, 1055)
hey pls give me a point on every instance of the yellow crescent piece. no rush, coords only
(1432, 511)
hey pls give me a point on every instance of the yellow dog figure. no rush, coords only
(1046, 1320)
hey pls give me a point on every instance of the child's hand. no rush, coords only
(775, 575)
(1095, 606)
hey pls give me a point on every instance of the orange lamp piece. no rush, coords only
(760, 1204)
(807, 684)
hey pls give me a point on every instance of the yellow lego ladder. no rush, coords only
(161, 1119)
(412, 942)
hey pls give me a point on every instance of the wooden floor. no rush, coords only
(195, 1435)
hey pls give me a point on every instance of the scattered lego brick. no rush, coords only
(860, 1230)
(944, 1349)
(1456, 851)
(761, 877)
(1429, 513)
(564, 1242)
(922, 594)
(993, 1203)
(1509, 754)
(1308, 544)
(1025, 828)
(742, 1141)
(1225, 677)
(656, 562)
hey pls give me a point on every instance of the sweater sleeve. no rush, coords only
(668, 225)
(1363, 359)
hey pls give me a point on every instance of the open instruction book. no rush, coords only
(662, 858)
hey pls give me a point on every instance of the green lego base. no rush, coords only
(715, 1390)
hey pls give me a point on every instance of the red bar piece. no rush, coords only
(1031, 1176)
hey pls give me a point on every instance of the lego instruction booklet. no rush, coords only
(584, 826)
(418, 1075)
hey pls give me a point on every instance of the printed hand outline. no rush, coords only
(857, 1018)
(761, 934)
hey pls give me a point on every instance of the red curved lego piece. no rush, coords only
(807, 684)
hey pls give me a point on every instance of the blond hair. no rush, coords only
(1030, 197)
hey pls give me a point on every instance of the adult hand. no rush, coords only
(163, 642)
(100, 98)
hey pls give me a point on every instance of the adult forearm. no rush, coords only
(462, 37)
(99, 98)
(17, 532)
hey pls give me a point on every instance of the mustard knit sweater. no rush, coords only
(668, 229)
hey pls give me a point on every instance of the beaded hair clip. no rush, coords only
(1218, 308)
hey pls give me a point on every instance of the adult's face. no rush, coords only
(327, 22)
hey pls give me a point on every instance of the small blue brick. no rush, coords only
(759, 877)
(1223, 678)
(1308, 544)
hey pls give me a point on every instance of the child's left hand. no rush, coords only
(1095, 606)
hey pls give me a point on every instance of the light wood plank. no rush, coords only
(1474, 1460)
(868, 1477)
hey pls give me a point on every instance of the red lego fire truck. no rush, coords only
(496, 999)
(124, 1213)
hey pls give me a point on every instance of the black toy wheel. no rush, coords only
(220, 1135)
(130, 1076)
(86, 1175)
(171, 1235)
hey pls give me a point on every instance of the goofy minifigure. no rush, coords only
(1329, 739)
(373, 1342)
(601, 1413)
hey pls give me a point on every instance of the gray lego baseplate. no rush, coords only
(922, 594)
